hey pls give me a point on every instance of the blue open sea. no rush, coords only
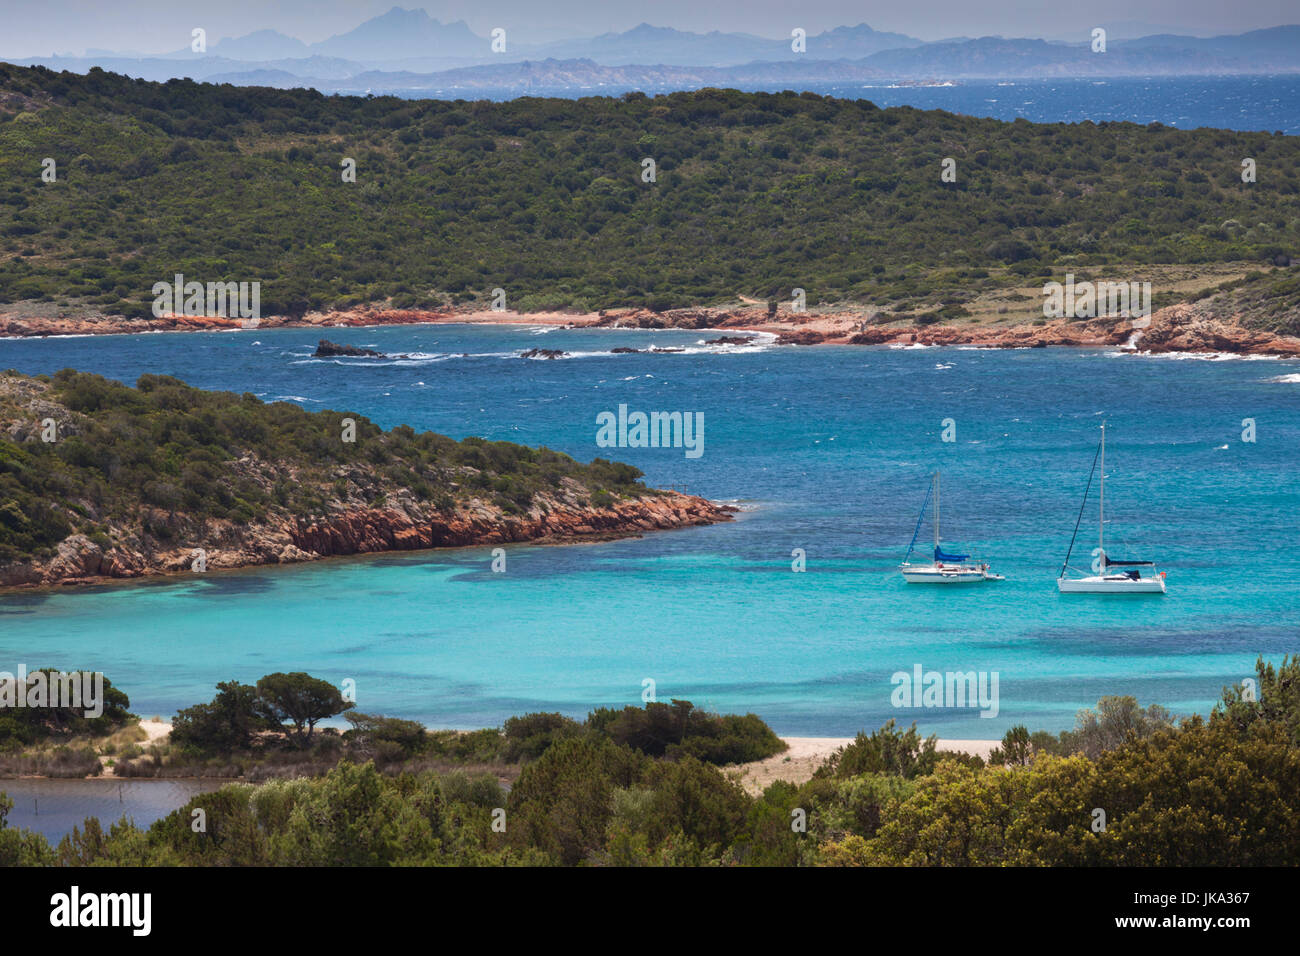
(825, 449)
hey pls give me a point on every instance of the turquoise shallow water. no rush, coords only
(827, 449)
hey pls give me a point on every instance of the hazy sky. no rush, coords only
(155, 26)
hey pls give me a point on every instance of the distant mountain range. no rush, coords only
(407, 50)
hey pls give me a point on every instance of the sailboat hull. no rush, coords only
(923, 574)
(939, 572)
(1111, 584)
(1106, 583)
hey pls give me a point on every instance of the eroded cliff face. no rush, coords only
(408, 527)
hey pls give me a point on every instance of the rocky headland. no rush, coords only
(74, 513)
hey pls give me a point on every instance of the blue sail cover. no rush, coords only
(940, 556)
(1124, 564)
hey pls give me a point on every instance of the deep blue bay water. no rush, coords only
(827, 449)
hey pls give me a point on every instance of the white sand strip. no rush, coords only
(806, 754)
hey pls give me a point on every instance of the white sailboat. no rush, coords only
(1103, 580)
(946, 568)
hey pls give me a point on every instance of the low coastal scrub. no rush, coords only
(164, 465)
(679, 730)
(46, 706)
(73, 762)
(900, 754)
(755, 194)
(1136, 789)
(49, 729)
(266, 730)
(1267, 300)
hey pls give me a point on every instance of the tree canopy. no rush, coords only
(754, 194)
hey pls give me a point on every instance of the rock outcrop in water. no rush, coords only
(327, 349)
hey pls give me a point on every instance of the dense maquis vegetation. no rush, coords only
(56, 723)
(163, 457)
(230, 733)
(1222, 791)
(756, 193)
(56, 719)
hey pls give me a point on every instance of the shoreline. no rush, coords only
(344, 538)
(1179, 328)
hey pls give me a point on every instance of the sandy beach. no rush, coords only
(806, 754)
(795, 765)
(156, 731)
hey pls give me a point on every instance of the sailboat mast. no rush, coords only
(936, 510)
(1101, 513)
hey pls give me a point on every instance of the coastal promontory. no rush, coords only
(99, 480)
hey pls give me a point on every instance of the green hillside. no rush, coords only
(755, 194)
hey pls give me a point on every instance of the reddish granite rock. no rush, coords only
(1188, 327)
(802, 337)
(368, 531)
